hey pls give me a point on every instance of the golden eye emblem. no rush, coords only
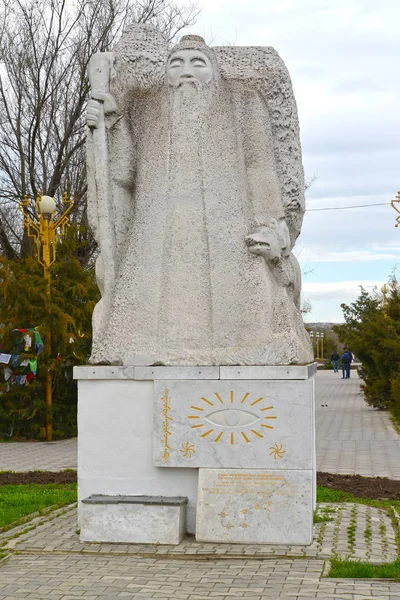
(233, 420)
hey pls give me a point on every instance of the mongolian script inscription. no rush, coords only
(166, 431)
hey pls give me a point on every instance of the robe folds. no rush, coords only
(200, 175)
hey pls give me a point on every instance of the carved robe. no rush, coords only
(196, 172)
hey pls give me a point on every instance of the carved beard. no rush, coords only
(190, 103)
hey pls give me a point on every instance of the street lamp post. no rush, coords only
(44, 230)
(312, 340)
(322, 345)
(384, 290)
(393, 202)
(317, 336)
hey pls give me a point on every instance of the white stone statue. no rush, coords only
(196, 198)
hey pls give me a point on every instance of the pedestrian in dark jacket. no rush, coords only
(347, 357)
(335, 361)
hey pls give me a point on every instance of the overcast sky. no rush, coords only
(344, 60)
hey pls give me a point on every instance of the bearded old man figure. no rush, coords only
(196, 200)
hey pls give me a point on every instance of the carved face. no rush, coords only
(187, 65)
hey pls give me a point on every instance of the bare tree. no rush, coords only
(45, 47)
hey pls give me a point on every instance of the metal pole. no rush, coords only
(46, 241)
(44, 232)
(312, 341)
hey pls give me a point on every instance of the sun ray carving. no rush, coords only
(256, 433)
(218, 397)
(208, 402)
(256, 401)
(233, 405)
(245, 437)
(207, 433)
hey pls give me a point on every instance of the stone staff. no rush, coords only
(100, 104)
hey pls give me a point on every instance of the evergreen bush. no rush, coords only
(372, 332)
(67, 313)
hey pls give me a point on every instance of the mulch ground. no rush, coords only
(362, 487)
(37, 477)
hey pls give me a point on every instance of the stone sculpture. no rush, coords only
(195, 190)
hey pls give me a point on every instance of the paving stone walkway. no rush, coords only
(38, 456)
(47, 562)
(352, 531)
(55, 577)
(351, 436)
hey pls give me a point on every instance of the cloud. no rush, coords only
(338, 289)
(320, 254)
(342, 56)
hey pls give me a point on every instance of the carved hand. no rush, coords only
(95, 104)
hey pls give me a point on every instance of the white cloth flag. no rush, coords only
(5, 358)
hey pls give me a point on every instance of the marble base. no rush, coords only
(133, 520)
(116, 429)
(260, 424)
(255, 507)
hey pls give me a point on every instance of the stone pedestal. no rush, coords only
(148, 431)
(133, 519)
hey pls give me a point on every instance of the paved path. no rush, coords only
(351, 437)
(50, 564)
(57, 577)
(38, 456)
(353, 531)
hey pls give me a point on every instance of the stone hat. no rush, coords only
(194, 42)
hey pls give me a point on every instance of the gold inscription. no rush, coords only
(165, 439)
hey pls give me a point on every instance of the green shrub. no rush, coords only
(372, 332)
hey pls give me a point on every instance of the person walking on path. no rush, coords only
(347, 357)
(335, 361)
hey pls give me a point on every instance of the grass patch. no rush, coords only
(319, 517)
(395, 422)
(361, 570)
(327, 495)
(18, 501)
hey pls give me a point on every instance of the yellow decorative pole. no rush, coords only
(44, 232)
(393, 202)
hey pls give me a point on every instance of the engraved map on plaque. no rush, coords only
(238, 424)
(250, 506)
